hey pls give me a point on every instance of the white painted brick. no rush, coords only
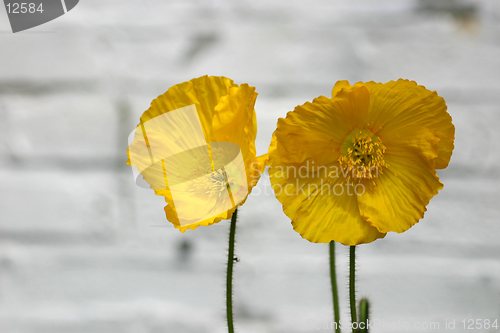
(295, 56)
(477, 139)
(3, 135)
(301, 48)
(37, 58)
(80, 127)
(50, 204)
(287, 289)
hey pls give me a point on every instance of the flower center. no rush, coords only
(218, 181)
(362, 155)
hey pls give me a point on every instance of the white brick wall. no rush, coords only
(82, 249)
(66, 126)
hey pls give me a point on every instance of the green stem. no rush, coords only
(352, 286)
(335, 292)
(364, 311)
(229, 275)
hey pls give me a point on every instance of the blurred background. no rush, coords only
(83, 249)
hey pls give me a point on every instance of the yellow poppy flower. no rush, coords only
(360, 164)
(195, 146)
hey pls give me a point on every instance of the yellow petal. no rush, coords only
(399, 197)
(171, 214)
(315, 130)
(204, 92)
(339, 85)
(257, 168)
(235, 121)
(404, 113)
(322, 209)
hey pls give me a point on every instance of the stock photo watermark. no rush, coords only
(27, 14)
(401, 325)
(310, 178)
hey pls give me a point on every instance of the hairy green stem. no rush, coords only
(352, 287)
(335, 292)
(229, 274)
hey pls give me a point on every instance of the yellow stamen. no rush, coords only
(362, 155)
